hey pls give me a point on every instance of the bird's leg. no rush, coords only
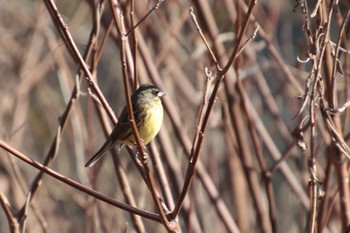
(144, 158)
(137, 159)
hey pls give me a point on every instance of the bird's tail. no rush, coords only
(98, 154)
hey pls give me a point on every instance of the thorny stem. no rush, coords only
(317, 55)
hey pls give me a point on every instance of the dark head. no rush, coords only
(147, 92)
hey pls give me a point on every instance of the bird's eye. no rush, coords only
(155, 92)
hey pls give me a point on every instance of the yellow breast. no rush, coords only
(153, 122)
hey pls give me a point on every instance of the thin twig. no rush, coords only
(13, 223)
(144, 17)
(194, 19)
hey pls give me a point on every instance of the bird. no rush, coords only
(148, 115)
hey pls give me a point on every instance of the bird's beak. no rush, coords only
(160, 94)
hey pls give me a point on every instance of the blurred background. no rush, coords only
(241, 179)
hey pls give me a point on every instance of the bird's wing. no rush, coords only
(119, 135)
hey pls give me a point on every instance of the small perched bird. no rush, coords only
(148, 114)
